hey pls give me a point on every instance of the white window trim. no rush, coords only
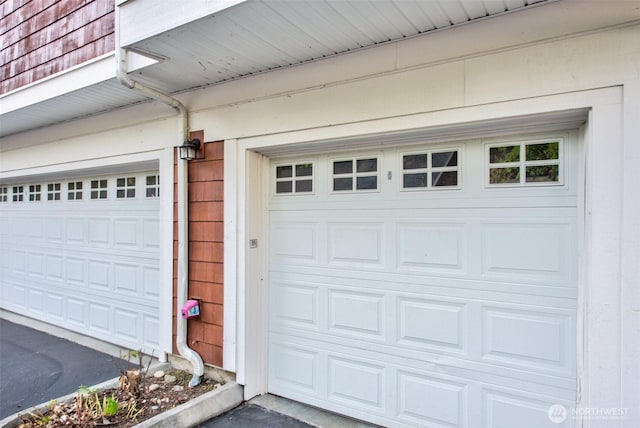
(155, 186)
(54, 192)
(354, 174)
(98, 189)
(127, 187)
(292, 179)
(75, 190)
(429, 170)
(523, 163)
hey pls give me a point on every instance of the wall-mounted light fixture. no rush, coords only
(189, 149)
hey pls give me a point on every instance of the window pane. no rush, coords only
(304, 170)
(504, 154)
(367, 165)
(119, 182)
(284, 171)
(131, 193)
(304, 186)
(343, 167)
(542, 151)
(94, 194)
(342, 184)
(441, 179)
(415, 180)
(120, 193)
(79, 185)
(542, 173)
(151, 192)
(367, 183)
(504, 175)
(103, 194)
(414, 161)
(151, 179)
(444, 159)
(284, 187)
(131, 181)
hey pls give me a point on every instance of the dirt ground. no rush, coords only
(98, 408)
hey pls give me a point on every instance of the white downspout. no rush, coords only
(183, 205)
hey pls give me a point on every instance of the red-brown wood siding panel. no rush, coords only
(206, 250)
(44, 37)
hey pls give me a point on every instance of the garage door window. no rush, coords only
(527, 163)
(53, 192)
(4, 194)
(74, 190)
(35, 192)
(294, 178)
(18, 194)
(126, 187)
(99, 189)
(355, 175)
(430, 170)
(153, 186)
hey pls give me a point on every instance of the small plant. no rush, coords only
(109, 406)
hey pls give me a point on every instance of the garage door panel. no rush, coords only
(501, 408)
(540, 339)
(359, 242)
(295, 367)
(439, 395)
(556, 383)
(531, 251)
(356, 382)
(432, 286)
(356, 313)
(297, 243)
(295, 304)
(77, 312)
(56, 306)
(543, 346)
(435, 324)
(424, 247)
(426, 399)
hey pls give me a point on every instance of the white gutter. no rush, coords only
(183, 205)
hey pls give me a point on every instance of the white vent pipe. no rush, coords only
(183, 203)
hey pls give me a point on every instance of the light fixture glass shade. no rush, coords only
(189, 149)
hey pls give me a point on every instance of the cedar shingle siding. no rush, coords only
(44, 37)
(204, 334)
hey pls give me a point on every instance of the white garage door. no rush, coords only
(427, 285)
(83, 253)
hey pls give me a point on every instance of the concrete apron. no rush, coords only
(195, 411)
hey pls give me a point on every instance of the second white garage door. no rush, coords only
(83, 253)
(427, 285)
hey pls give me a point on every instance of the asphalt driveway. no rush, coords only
(36, 367)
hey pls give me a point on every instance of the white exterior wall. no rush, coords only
(450, 77)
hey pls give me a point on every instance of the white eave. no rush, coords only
(250, 37)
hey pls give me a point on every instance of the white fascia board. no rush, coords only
(142, 19)
(86, 74)
(92, 72)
